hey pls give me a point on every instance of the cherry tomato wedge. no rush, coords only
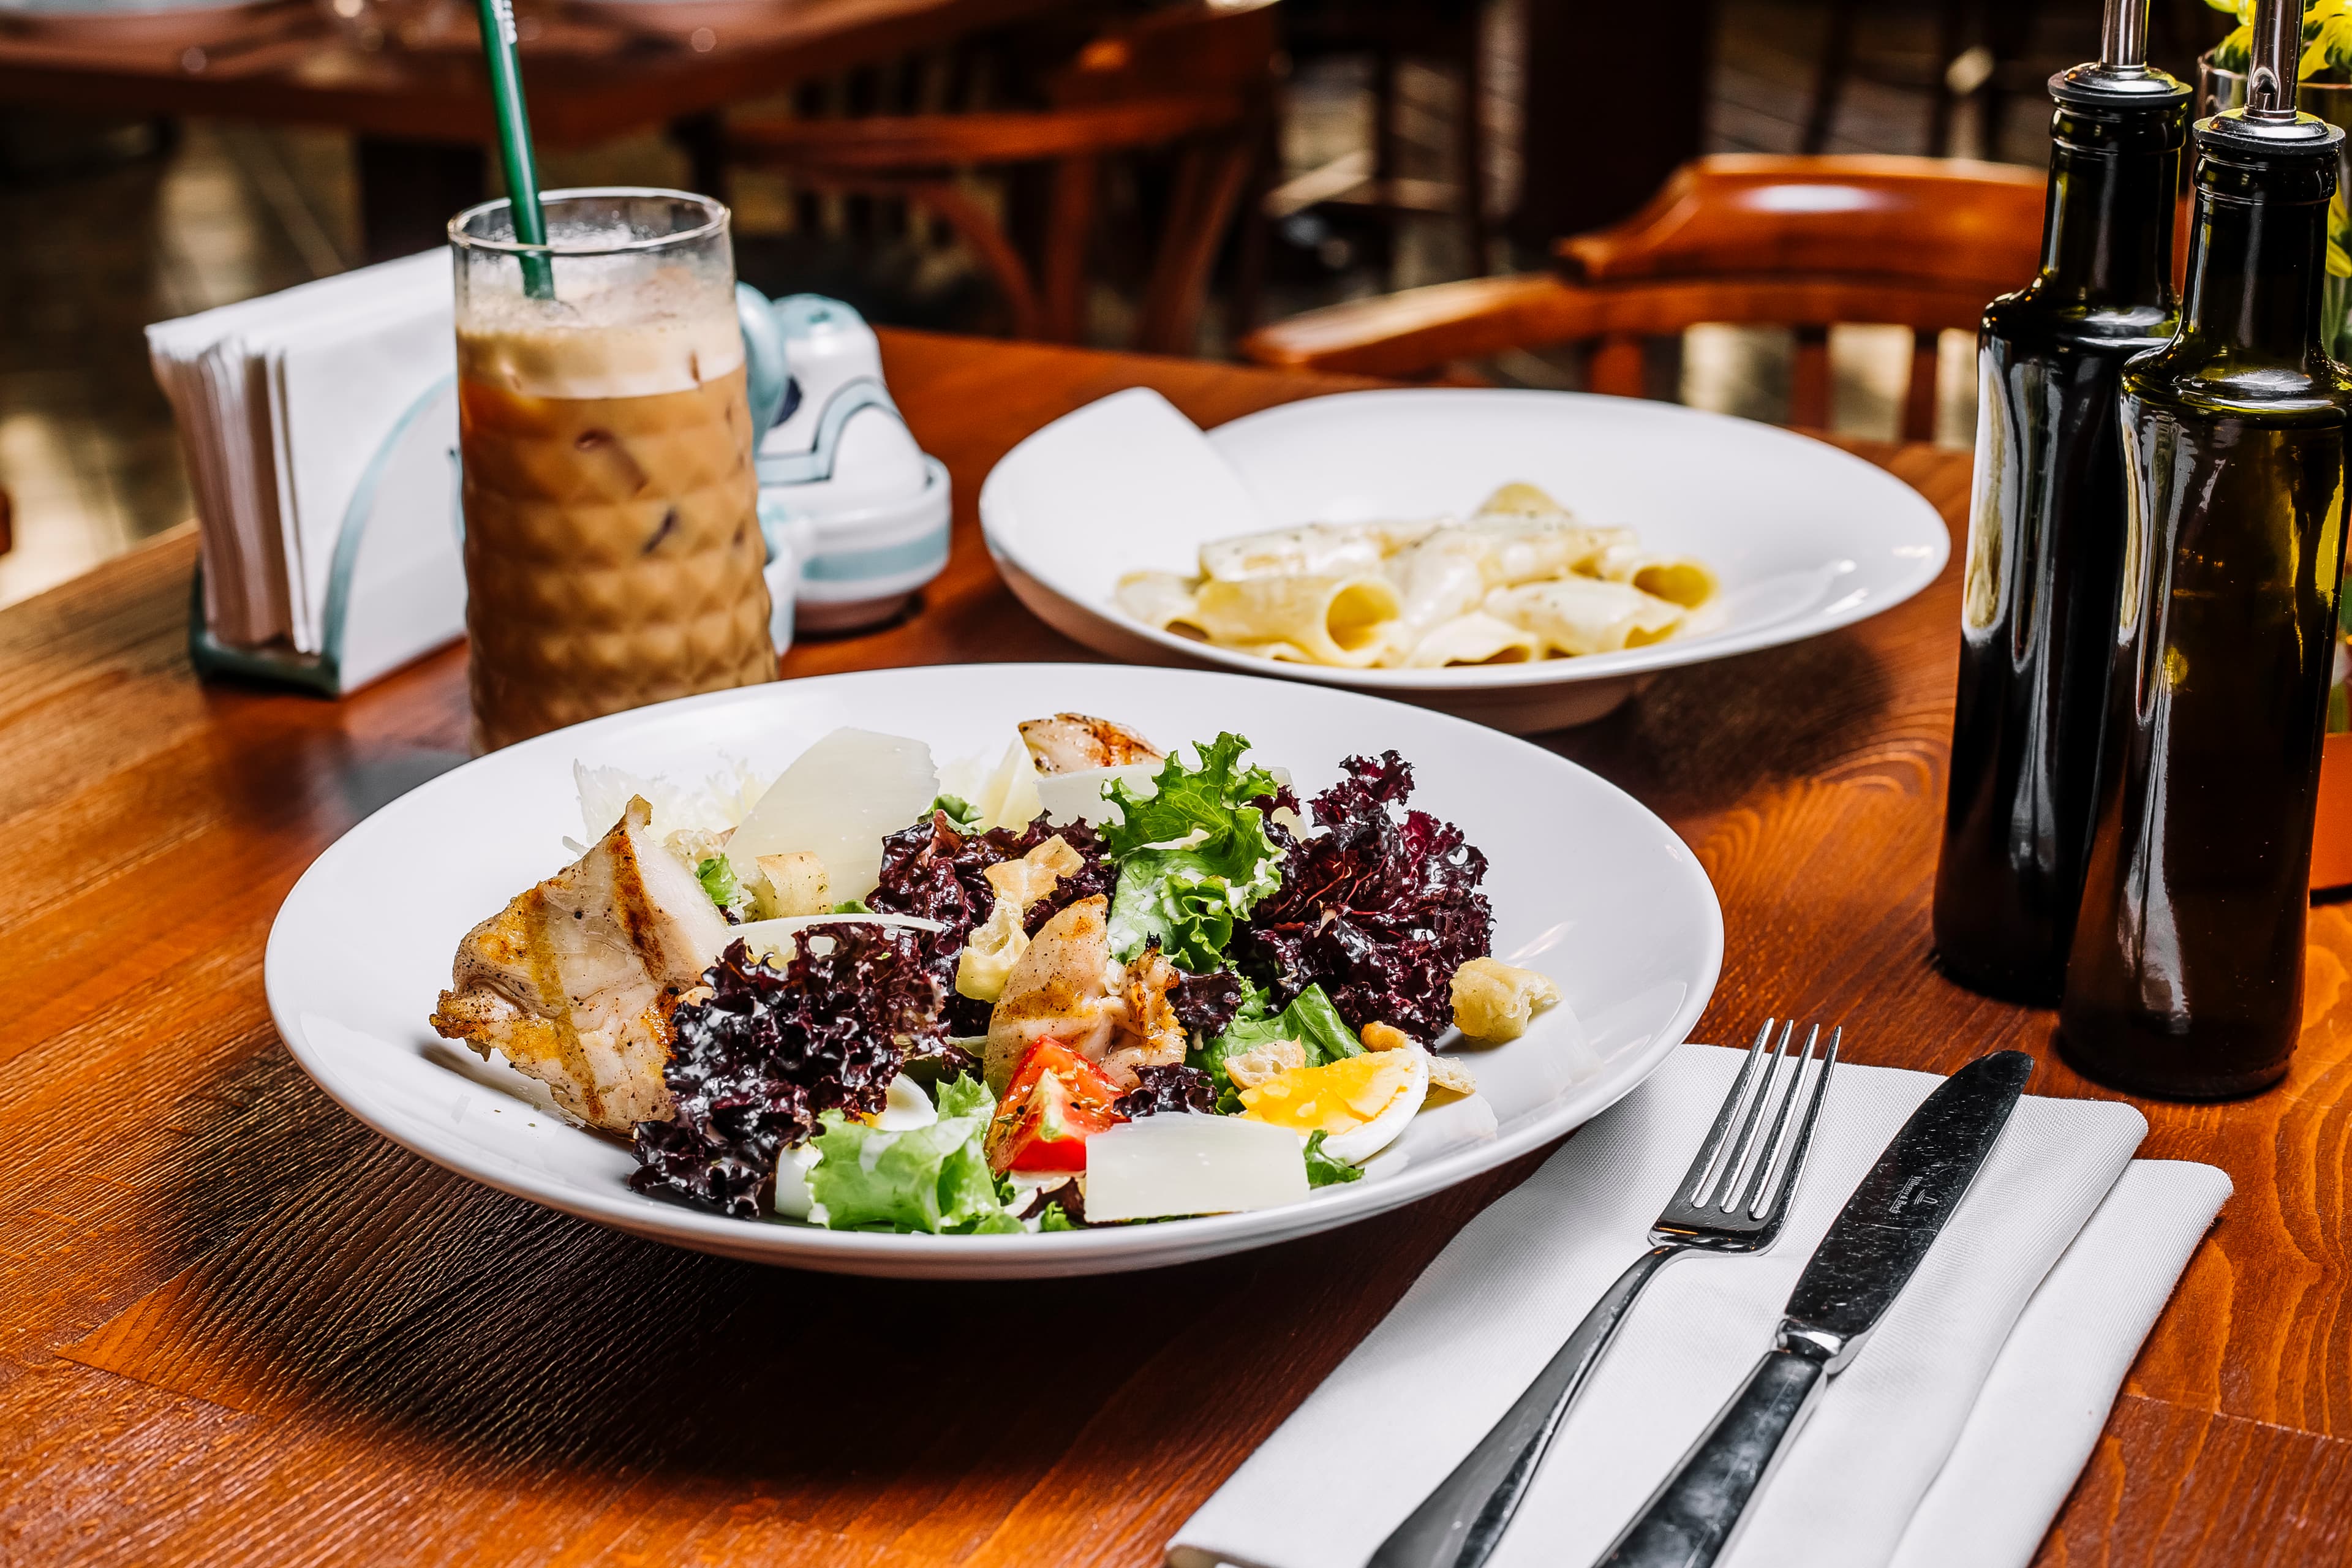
(1058, 1099)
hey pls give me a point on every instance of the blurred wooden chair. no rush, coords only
(1194, 79)
(1388, 33)
(1806, 243)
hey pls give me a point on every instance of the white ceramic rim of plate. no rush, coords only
(1073, 1252)
(1672, 653)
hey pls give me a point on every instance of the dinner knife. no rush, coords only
(1871, 1251)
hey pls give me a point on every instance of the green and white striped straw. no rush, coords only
(514, 144)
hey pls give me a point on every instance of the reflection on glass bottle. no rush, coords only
(2186, 976)
(2045, 529)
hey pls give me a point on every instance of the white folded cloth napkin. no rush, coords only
(1953, 1436)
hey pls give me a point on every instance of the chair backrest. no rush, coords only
(1189, 47)
(1932, 223)
(1806, 243)
(1192, 80)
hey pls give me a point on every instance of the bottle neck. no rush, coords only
(2258, 255)
(2107, 226)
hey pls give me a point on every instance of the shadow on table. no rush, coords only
(1701, 737)
(456, 1328)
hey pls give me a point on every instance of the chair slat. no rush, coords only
(1808, 382)
(1919, 398)
(1616, 366)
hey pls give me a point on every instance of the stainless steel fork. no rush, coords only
(1713, 1210)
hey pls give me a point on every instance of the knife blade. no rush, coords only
(1871, 1251)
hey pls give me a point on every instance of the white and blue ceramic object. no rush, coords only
(843, 488)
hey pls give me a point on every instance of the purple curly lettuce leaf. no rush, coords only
(754, 1064)
(1205, 1003)
(1380, 908)
(1164, 1090)
(1062, 1200)
(933, 869)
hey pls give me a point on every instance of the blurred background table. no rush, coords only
(421, 118)
(236, 1327)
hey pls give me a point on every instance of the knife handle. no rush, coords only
(1690, 1520)
(1459, 1523)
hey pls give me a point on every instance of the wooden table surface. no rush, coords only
(235, 1327)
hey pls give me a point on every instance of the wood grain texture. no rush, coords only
(234, 1326)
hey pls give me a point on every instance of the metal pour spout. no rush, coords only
(2122, 36)
(2277, 52)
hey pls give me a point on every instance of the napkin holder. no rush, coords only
(396, 585)
(396, 588)
(842, 485)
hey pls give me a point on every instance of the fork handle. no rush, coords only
(1458, 1525)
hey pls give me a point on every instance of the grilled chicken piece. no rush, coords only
(576, 980)
(1063, 988)
(1152, 1037)
(1073, 742)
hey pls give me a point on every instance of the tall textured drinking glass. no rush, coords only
(613, 548)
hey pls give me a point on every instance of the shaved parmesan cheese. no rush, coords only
(1078, 796)
(719, 804)
(839, 800)
(1157, 1167)
(1008, 796)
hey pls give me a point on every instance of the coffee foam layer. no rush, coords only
(654, 335)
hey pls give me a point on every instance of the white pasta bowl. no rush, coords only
(1804, 537)
(1587, 887)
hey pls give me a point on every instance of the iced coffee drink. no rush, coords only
(613, 549)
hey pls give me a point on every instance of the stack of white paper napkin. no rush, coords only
(290, 409)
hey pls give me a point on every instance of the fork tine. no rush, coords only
(1697, 1180)
(1771, 1202)
(1770, 1152)
(1746, 1145)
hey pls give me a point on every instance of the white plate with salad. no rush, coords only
(995, 971)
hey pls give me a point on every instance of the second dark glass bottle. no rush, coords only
(2046, 525)
(2186, 976)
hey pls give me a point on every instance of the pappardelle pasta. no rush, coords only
(1520, 579)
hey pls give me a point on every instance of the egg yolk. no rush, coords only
(1337, 1096)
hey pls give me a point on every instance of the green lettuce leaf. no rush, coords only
(1193, 858)
(1322, 1171)
(960, 811)
(932, 1178)
(718, 879)
(1310, 1019)
(964, 1095)
(1054, 1219)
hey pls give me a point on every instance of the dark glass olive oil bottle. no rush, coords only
(2185, 975)
(2046, 526)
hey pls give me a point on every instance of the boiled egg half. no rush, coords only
(1359, 1103)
